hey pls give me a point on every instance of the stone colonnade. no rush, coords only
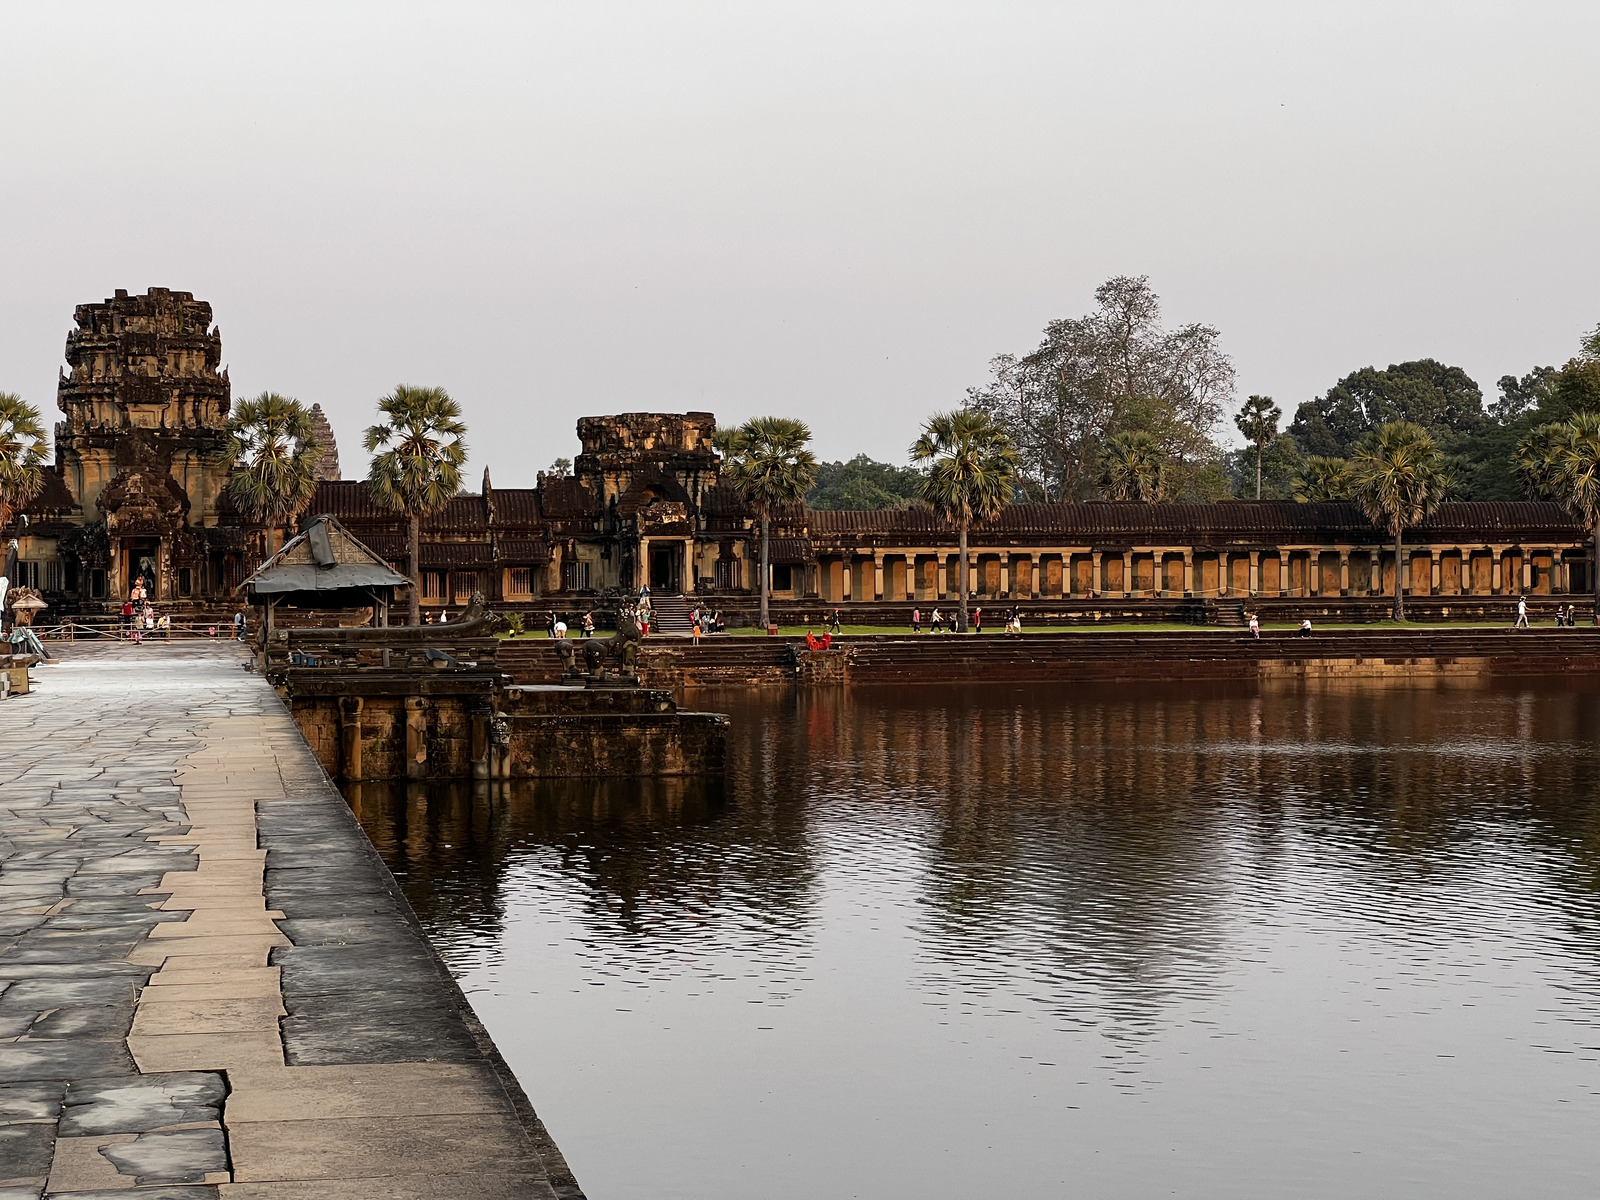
(1087, 572)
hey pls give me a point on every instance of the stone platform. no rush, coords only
(210, 986)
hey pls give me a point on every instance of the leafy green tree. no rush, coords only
(1115, 370)
(1398, 478)
(1133, 466)
(863, 485)
(1442, 399)
(273, 446)
(1322, 478)
(767, 461)
(418, 448)
(972, 473)
(22, 447)
(1280, 465)
(1258, 421)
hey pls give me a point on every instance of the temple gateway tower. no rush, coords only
(142, 449)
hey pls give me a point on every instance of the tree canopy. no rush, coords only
(418, 448)
(273, 446)
(22, 447)
(972, 470)
(1441, 399)
(767, 461)
(1116, 370)
(863, 484)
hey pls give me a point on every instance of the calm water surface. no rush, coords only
(1027, 942)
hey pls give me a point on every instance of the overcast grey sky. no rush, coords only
(836, 212)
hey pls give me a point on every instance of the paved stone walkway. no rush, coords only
(210, 986)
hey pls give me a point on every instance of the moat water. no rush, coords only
(1027, 942)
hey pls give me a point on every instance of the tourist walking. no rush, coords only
(1522, 613)
(127, 618)
(977, 620)
(936, 622)
(588, 623)
(1305, 627)
(1255, 627)
(916, 620)
(836, 626)
(238, 626)
(561, 630)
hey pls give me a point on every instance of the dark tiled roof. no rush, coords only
(785, 550)
(52, 498)
(517, 507)
(524, 551)
(1254, 521)
(455, 556)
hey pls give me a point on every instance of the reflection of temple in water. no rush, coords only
(1063, 846)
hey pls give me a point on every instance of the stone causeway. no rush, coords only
(211, 987)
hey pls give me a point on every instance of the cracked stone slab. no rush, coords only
(178, 1156)
(143, 1103)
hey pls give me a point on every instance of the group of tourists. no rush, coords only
(556, 626)
(938, 623)
(139, 618)
(703, 621)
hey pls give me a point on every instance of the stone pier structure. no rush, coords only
(210, 986)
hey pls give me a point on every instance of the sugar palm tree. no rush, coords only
(1537, 460)
(418, 450)
(1133, 466)
(273, 446)
(1575, 461)
(972, 473)
(1322, 478)
(1397, 476)
(1258, 421)
(22, 446)
(766, 460)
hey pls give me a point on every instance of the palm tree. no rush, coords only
(1321, 478)
(1398, 477)
(1258, 421)
(972, 472)
(1537, 460)
(417, 453)
(273, 446)
(768, 463)
(1133, 466)
(1575, 459)
(22, 444)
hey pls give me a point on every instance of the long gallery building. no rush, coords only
(136, 491)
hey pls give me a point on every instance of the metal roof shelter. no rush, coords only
(324, 567)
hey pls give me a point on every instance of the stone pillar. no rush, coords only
(685, 570)
(1097, 581)
(877, 577)
(1527, 573)
(1034, 563)
(1127, 572)
(1255, 572)
(1188, 573)
(350, 736)
(1435, 568)
(416, 737)
(1344, 571)
(1497, 561)
(940, 575)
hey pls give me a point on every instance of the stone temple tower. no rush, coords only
(142, 448)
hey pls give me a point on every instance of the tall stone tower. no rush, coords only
(143, 444)
(327, 465)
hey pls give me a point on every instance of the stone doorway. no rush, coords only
(142, 560)
(663, 568)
